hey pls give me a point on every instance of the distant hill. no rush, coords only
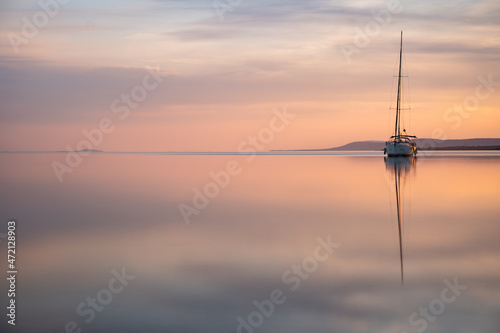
(422, 144)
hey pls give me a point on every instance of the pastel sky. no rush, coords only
(222, 78)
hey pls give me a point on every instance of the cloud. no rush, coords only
(285, 52)
(203, 34)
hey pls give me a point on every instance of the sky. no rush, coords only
(216, 73)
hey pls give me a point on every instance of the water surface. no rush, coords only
(122, 211)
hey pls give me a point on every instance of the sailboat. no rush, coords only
(400, 144)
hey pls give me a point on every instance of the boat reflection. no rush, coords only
(400, 168)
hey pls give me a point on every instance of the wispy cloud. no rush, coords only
(263, 52)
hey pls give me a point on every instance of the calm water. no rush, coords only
(255, 255)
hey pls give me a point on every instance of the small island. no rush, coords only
(422, 144)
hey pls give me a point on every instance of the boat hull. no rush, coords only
(400, 149)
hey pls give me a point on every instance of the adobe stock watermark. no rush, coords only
(471, 103)
(39, 20)
(363, 36)
(292, 279)
(94, 137)
(460, 111)
(420, 320)
(221, 179)
(89, 308)
(221, 7)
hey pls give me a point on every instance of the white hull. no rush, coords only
(400, 149)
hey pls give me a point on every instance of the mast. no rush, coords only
(397, 127)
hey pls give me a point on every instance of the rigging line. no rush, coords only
(408, 92)
(409, 121)
(392, 96)
(401, 105)
(390, 108)
(394, 76)
(389, 123)
(408, 81)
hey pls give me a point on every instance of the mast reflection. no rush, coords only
(400, 168)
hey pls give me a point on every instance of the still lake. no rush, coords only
(279, 242)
